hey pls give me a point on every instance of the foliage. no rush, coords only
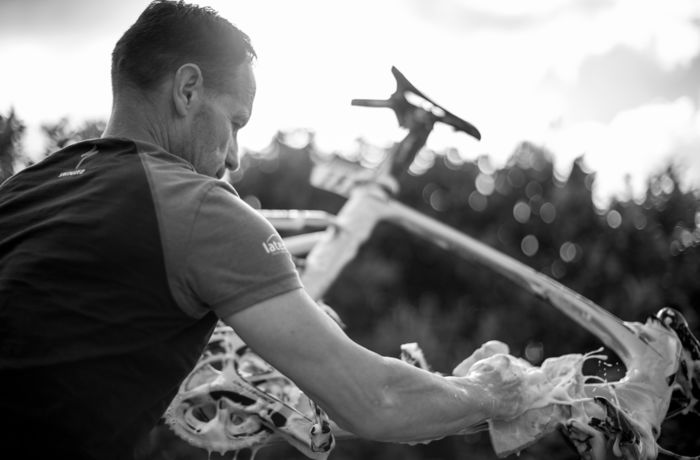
(62, 133)
(11, 129)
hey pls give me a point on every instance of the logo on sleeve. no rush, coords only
(274, 245)
(78, 170)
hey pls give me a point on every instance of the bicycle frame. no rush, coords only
(649, 365)
(332, 250)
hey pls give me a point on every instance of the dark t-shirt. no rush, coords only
(116, 259)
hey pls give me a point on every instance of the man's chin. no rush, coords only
(223, 174)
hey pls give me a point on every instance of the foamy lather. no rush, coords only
(628, 412)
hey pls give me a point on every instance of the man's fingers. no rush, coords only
(488, 349)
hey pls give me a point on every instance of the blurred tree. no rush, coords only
(62, 133)
(11, 130)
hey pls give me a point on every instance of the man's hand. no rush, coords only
(501, 375)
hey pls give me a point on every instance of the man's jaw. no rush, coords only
(223, 174)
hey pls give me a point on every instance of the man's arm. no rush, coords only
(367, 394)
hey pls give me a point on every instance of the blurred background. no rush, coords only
(589, 168)
(614, 80)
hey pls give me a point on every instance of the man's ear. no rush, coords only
(188, 88)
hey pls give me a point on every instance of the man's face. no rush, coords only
(214, 143)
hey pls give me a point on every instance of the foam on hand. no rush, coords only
(531, 401)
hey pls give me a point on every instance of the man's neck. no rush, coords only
(137, 121)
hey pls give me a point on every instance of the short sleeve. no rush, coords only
(235, 258)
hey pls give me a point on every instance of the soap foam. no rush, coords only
(557, 394)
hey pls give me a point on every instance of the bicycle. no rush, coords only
(234, 400)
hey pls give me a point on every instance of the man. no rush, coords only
(118, 255)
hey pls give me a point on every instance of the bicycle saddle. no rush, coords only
(404, 108)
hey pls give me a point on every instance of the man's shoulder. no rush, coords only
(156, 156)
(181, 194)
(172, 178)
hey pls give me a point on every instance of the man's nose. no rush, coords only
(232, 156)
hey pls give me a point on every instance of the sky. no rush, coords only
(614, 81)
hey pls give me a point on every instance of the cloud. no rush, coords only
(637, 142)
(564, 33)
(66, 20)
(665, 31)
(504, 15)
(622, 79)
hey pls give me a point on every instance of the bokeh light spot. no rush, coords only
(613, 218)
(485, 166)
(567, 252)
(477, 201)
(534, 352)
(548, 213)
(558, 269)
(667, 184)
(253, 201)
(521, 212)
(438, 200)
(533, 189)
(485, 184)
(640, 221)
(530, 245)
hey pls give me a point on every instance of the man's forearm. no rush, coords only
(370, 395)
(421, 406)
(385, 399)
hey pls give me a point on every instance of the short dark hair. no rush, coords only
(169, 34)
